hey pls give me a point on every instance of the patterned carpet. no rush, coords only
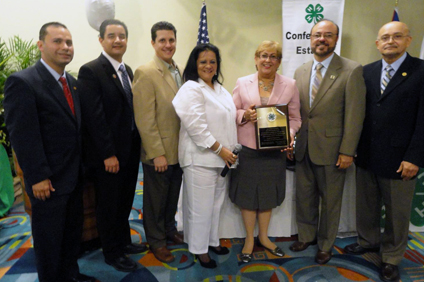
(17, 259)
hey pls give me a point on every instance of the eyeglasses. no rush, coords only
(395, 37)
(327, 36)
(266, 56)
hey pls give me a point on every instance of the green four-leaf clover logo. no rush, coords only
(314, 14)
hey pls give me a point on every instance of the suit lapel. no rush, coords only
(166, 74)
(130, 73)
(304, 84)
(277, 90)
(400, 76)
(111, 74)
(376, 80)
(253, 90)
(75, 97)
(330, 77)
(53, 87)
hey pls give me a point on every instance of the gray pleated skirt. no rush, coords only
(259, 182)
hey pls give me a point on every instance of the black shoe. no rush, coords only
(276, 252)
(81, 278)
(122, 263)
(389, 272)
(246, 257)
(134, 249)
(220, 251)
(210, 264)
(356, 249)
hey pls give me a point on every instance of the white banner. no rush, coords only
(299, 16)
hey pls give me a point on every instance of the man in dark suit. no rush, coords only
(43, 117)
(391, 149)
(332, 99)
(111, 143)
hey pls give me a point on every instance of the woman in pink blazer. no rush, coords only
(258, 184)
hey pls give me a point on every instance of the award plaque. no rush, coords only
(272, 127)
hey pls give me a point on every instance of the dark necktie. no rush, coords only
(127, 90)
(386, 78)
(317, 81)
(126, 85)
(67, 93)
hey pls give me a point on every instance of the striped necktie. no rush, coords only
(127, 90)
(386, 78)
(317, 80)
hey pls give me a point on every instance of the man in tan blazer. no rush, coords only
(332, 99)
(155, 85)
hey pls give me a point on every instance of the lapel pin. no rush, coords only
(404, 74)
(114, 75)
(332, 77)
(75, 88)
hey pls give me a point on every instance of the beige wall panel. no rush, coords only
(235, 26)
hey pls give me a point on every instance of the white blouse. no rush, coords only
(207, 115)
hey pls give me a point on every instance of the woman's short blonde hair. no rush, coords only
(269, 45)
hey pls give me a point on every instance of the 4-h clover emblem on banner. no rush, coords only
(314, 14)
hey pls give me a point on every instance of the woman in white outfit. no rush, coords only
(207, 137)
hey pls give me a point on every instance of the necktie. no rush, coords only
(126, 85)
(317, 81)
(67, 93)
(177, 78)
(175, 75)
(127, 90)
(386, 78)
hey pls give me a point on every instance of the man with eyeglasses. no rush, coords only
(332, 98)
(391, 149)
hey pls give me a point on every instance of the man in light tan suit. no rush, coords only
(155, 85)
(332, 98)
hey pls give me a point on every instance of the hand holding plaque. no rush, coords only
(272, 127)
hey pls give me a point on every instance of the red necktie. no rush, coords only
(67, 93)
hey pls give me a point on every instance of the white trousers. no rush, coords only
(203, 195)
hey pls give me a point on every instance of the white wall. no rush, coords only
(235, 26)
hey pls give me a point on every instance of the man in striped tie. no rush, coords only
(332, 98)
(111, 143)
(390, 150)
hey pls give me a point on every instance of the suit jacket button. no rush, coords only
(378, 105)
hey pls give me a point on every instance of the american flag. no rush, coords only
(395, 17)
(203, 36)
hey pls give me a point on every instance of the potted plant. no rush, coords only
(17, 55)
